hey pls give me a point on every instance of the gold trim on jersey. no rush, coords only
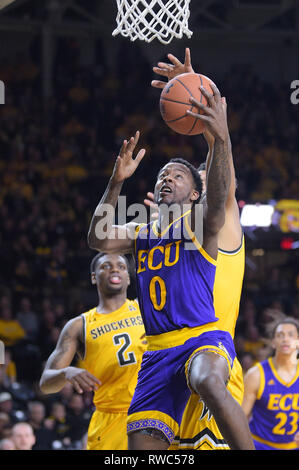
(233, 252)
(262, 381)
(137, 230)
(153, 419)
(155, 230)
(84, 336)
(198, 245)
(286, 446)
(177, 337)
(280, 380)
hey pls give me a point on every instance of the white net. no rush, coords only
(150, 19)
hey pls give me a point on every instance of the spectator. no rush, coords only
(5, 301)
(7, 444)
(253, 342)
(10, 367)
(23, 436)
(36, 418)
(5, 423)
(22, 278)
(11, 332)
(28, 319)
(11, 407)
(78, 417)
(247, 360)
(4, 379)
(6, 403)
(60, 314)
(50, 341)
(59, 423)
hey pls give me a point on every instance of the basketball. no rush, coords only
(174, 102)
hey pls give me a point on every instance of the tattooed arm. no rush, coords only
(58, 370)
(218, 181)
(230, 235)
(218, 174)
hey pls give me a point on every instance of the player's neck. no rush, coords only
(164, 221)
(286, 362)
(110, 304)
(167, 215)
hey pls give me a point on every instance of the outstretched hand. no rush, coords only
(125, 164)
(213, 114)
(172, 70)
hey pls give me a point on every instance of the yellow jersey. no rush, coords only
(228, 287)
(114, 345)
(11, 332)
(198, 428)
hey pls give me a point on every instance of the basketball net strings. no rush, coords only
(150, 19)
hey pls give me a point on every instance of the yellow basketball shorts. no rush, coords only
(107, 431)
(198, 429)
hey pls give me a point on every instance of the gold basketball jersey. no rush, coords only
(114, 345)
(198, 428)
(228, 287)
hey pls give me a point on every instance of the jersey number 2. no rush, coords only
(124, 340)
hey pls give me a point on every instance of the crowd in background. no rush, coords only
(56, 158)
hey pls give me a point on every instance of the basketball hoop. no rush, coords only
(150, 19)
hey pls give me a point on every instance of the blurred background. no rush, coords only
(72, 94)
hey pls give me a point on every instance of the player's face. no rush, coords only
(112, 274)
(286, 339)
(175, 185)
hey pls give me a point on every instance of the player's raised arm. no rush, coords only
(58, 368)
(231, 233)
(102, 234)
(210, 141)
(218, 175)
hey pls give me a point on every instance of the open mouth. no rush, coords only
(165, 189)
(114, 279)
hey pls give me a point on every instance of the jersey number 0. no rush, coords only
(157, 281)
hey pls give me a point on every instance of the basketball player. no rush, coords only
(271, 398)
(198, 429)
(185, 348)
(110, 341)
